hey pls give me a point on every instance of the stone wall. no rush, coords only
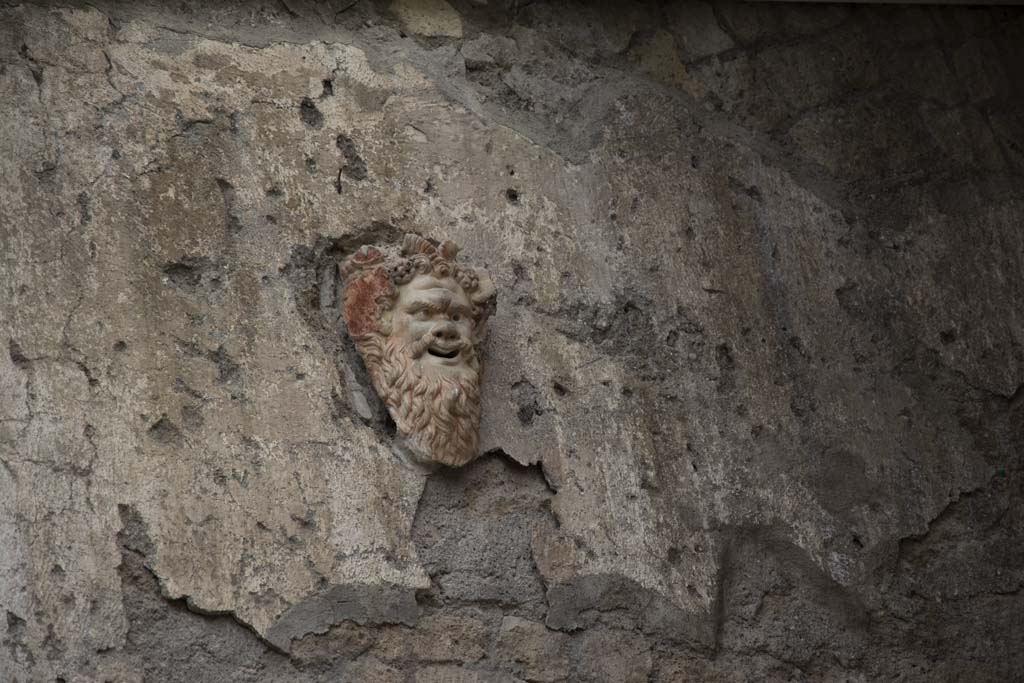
(752, 404)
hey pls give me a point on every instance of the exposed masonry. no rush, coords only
(759, 342)
(488, 610)
(485, 611)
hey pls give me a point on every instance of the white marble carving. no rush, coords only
(416, 317)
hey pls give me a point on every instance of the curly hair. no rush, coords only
(372, 276)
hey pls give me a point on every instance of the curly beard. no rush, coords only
(437, 413)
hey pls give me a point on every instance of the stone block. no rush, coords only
(532, 651)
(614, 657)
(372, 670)
(450, 638)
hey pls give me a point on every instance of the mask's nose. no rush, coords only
(446, 331)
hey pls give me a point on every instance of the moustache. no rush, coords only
(420, 346)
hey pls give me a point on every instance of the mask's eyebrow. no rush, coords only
(454, 308)
(429, 306)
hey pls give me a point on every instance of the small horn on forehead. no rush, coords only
(414, 244)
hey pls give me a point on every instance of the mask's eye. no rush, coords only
(456, 317)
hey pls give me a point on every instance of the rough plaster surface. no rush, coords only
(752, 391)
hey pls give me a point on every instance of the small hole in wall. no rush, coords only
(309, 114)
(512, 195)
(857, 543)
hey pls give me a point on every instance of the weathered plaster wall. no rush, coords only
(752, 397)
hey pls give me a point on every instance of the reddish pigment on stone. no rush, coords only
(361, 307)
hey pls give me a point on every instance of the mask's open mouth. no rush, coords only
(442, 353)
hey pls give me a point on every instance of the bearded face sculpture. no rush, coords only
(416, 316)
